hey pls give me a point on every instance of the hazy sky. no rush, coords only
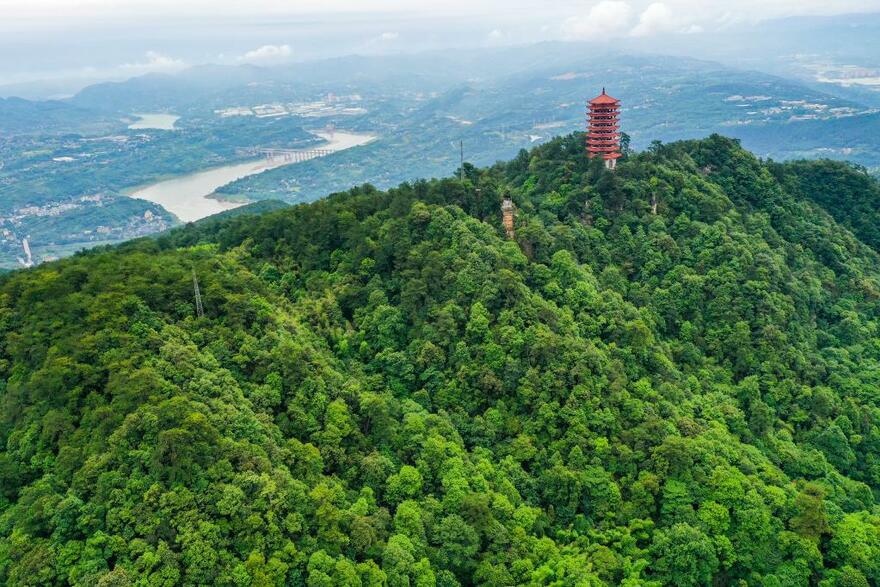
(49, 10)
(95, 39)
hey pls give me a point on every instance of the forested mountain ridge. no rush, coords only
(383, 390)
(847, 192)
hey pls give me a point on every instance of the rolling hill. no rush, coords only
(33, 117)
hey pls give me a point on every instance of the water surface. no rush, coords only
(154, 121)
(187, 196)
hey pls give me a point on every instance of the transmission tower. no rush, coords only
(200, 310)
(461, 168)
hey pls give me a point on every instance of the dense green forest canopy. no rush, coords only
(670, 377)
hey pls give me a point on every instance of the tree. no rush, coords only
(684, 556)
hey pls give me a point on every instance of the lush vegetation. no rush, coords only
(846, 191)
(385, 391)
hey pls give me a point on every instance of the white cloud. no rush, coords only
(155, 62)
(381, 43)
(657, 18)
(495, 37)
(267, 54)
(619, 18)
(608, 18)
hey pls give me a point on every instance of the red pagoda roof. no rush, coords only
(604, 98)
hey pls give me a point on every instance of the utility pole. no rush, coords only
(200, 311)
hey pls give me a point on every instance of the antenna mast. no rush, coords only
(200, 310)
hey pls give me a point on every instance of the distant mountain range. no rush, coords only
(495, 101)
(664, 98)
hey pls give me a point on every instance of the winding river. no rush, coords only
(188, 196)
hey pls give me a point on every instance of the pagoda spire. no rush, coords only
(603, 129)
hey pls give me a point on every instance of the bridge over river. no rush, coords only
(189, 196)
(291, 155)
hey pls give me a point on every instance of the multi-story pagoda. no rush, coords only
(603, 129)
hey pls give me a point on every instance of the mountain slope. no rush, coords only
(847, 192)
(385, 391)
(25, 117)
